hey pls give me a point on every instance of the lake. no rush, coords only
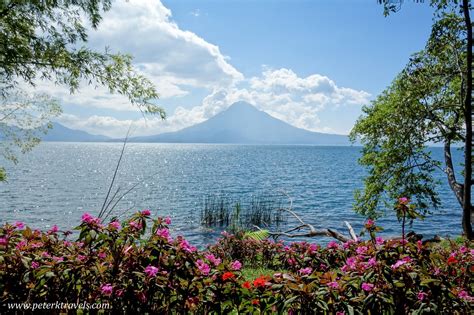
(57, 182)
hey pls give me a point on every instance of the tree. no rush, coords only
(46, 40)
(425, 104)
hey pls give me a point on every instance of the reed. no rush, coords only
(225, 211)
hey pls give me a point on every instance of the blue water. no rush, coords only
(57, 182)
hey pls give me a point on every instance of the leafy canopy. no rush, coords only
(45, 40)
(422, 106)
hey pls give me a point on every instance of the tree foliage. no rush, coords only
(422, 106)
(46, 40)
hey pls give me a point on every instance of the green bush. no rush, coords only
(136, 265)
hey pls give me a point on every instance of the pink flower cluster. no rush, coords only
(89, 219)
(164, 233)
(367, 287)
(106, 289)
(114, 226)
(203, 267)
(212, 259)
(400, 263)
(184, 244)
(151, 271)
(236, 265)
(305, 271)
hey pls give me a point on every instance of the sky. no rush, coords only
(313, 63)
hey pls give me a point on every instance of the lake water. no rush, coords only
(57, 182)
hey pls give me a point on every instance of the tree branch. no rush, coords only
(455, 186)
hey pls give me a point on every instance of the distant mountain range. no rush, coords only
(62, 133)
(240, 123)
(243, 123)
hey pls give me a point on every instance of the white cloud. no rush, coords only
(284, 95)
(161, 49)
(175, 60)
(281, 93)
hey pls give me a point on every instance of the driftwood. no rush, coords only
(305, 229)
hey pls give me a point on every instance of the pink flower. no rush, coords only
(419, 245)
(36, 245)
(54, 229)
(67, 243)
(379, 240)
(135, 225)
(106, 289)
(351, 262)
(333, 284)
(45, 255)
(367, 286)
(465, 296)
(236, 265)
(114, 225)
(400, 263)
(146, 212)
(58, 259)
(3, 241)
(305, 271)
(313, 248)
(168, 220)
(403, 200)
(203, 267)
(102, 255)
(213, 259)
(348, 244)
(19, 225)
(151, 271)
(164, 233)
(369, 222)
(333, 245)
(87, 218)
(34, 265)
(361, 250)
(81, 257)
(421, 295)
(21, 245)
(184, 244)
(372, 262)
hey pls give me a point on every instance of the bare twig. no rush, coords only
(312, 231)
(102, 210)
(351, 231)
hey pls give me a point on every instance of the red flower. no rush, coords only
(227, 275)
(260, 282)
(255, 302)
(246, 285)
(452, 260)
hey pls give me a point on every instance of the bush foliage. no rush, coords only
(137, 265)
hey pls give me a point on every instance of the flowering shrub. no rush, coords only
(137, 265)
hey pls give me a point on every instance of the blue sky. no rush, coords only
(311, 63)
(349, 41)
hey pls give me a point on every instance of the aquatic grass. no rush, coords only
(225, 211)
